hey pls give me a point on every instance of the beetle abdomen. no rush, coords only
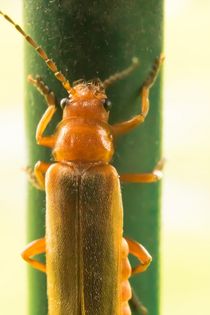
(83, 237)
(125, 275)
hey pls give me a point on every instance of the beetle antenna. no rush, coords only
(50, 63)
(122, 74)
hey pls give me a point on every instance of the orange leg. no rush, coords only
(155, 176)
(126, 126)
(137, 305)
(144, 257)
(39, 173)
(134, 248)
(35, 248)
(141, 253)
(49, 96)
(48, 141)
(43, 89)
(37, 176)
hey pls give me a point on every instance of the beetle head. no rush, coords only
(88, 101)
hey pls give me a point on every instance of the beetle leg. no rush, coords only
(31, 177)
(46, 118)
(43, 89)
(141, 253)
(137, 305)
(37, 176)
(131, 247)
(39, 173)
(35, 248)
(48, 141)
(152, 177)
(126, 126)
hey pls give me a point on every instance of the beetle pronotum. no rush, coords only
(86, 255)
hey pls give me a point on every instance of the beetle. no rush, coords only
(87, 262)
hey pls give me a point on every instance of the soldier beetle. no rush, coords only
(87, 262)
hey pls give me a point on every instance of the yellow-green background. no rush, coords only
(185, 249)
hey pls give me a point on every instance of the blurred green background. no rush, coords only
(185, 248)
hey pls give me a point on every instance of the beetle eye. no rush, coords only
(64, 102)
(107, 104)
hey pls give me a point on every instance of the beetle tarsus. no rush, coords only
(43, 89)
(31, 177)
(137, 305)
(154, 72)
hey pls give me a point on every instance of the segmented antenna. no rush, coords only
(50, 63)
(122, 74)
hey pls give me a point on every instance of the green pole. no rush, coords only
(89, 39)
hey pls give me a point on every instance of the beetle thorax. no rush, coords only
(84, 140)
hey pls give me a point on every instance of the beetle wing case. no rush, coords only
(83, 239)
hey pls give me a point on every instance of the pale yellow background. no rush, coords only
(186, 196)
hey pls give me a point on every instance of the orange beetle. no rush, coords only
(86, 255)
